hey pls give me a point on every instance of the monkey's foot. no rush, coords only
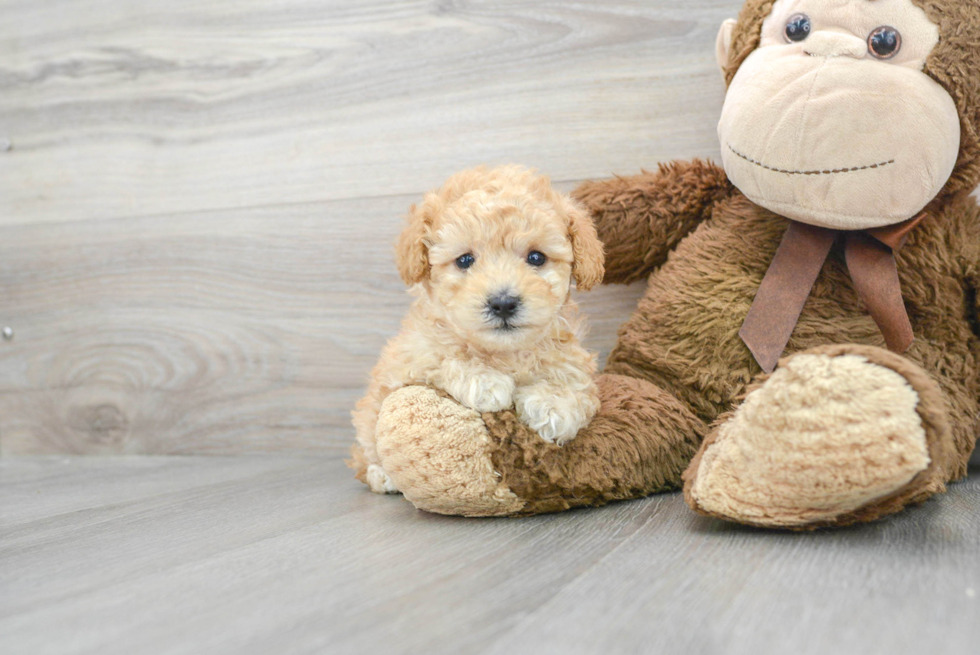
(835, 436)
(437, 453)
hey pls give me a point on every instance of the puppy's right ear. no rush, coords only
(412, 253)
(588, 267)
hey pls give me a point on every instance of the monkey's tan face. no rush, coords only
(832, 121)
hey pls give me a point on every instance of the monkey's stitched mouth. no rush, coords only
(817, 172)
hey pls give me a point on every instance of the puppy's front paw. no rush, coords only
(378, 480)
(556, 417)
(485, 392)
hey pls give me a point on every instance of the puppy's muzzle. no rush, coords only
(503, 306)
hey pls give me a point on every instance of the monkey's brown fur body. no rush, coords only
(679, 368)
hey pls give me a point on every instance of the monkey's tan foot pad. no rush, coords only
(437, 453)
(836, 435)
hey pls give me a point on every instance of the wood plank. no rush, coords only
(297, 557)
(123, 109)
(36, 489)
(221, 332)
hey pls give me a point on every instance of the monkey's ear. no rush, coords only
(411, 252)
(724, 43)
(589, 265)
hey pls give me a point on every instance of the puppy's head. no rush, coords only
(496, 251)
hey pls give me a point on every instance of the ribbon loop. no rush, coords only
(795, 268)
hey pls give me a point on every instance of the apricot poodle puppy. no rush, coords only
(490, 259)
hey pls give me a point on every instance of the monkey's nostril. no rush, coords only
(503, 305)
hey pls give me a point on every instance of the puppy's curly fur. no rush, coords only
(528, 355)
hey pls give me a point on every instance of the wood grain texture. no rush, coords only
(222, 332)
(126, 108)
(197, 208)
(278, 554)
(198, 203)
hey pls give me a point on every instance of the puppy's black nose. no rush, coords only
(503, 306)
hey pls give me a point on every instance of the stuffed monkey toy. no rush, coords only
(807, 352)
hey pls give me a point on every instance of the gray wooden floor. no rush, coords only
(290, 555)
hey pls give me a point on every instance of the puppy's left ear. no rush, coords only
(589, 265)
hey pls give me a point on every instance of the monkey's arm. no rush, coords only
(643, 217)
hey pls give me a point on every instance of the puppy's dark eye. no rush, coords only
(885, 42)
(465, 261)
(798, 27)
(536, 258)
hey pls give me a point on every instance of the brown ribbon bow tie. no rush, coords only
(870, 257)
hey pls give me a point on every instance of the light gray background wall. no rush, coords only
(198, 200)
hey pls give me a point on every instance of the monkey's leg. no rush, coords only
(837, 435)
(448, 459)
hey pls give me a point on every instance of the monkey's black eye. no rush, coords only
(884, 42)
(798, 27)
(535, 258)
(465, 261)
